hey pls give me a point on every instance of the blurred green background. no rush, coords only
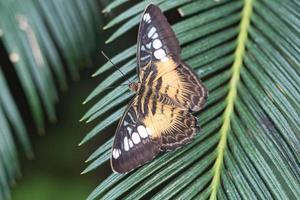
(58, 161)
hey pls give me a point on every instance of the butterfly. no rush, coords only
(160, 116)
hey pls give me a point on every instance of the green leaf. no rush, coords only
(41, 38)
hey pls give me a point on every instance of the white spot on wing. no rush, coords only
(155, 36)
(151, 32)
(143, 48)
(126, 145)
(146, 17)
(135, 138)
(130, 143)
(159, 54)
(142, 131)
(148, 46)
(129, 130)
(115, 153)
(157, 44)
(164, 59)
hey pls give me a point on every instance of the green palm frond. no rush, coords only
(247, 53)
(40, 38)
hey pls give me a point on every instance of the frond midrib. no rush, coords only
(231, 97)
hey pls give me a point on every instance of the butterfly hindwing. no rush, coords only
(175, 126)
(181, 84)
(133, 144)
(177, 81)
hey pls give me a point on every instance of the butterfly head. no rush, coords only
(135, 87)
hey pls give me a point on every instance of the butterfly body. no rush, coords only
(159, 117)
(134, 87)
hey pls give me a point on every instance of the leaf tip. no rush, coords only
(81, 143)
(86, 100)
(181, 13)
(105, 27)
(109, 40)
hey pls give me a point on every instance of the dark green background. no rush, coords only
(55, 171)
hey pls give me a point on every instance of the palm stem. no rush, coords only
(231, 97)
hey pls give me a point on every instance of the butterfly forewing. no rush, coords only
(133, 144)
(156, 39)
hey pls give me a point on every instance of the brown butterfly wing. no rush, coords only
(140, 136)
(181, 84)
(158, 56)
(133, 144)
(174, 126)
(155, 38)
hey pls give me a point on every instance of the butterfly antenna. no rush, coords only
(109, 87)
(115, 66)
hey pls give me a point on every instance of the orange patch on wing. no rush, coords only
(166, 66)
(174, 84)
(162, 120)
(157, 123)
(170, 77)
